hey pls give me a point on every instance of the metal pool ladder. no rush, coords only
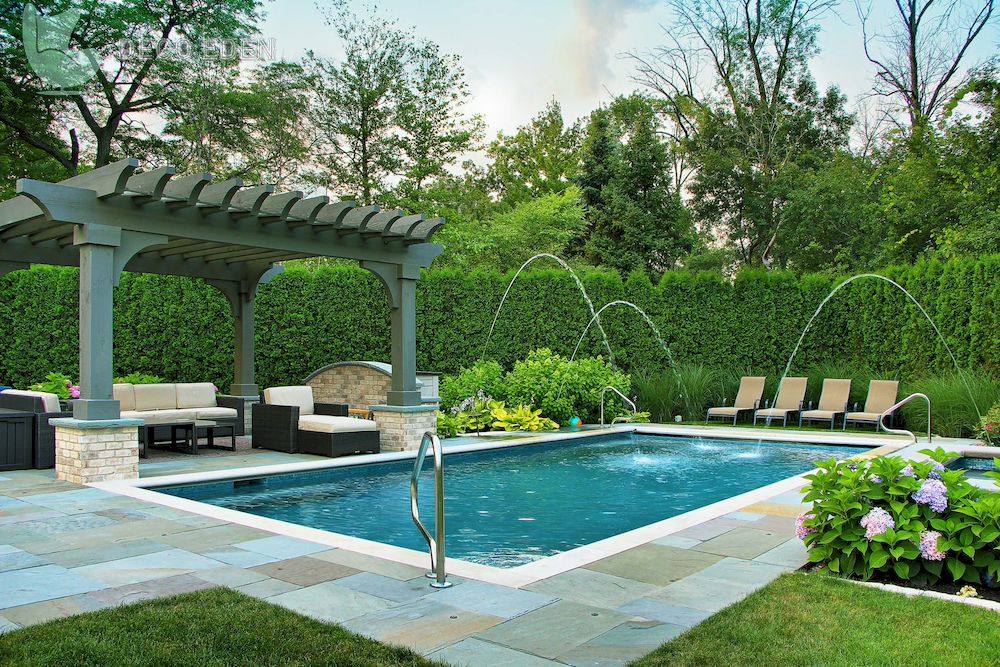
(902, 431)
(625, 398)
(436, 546)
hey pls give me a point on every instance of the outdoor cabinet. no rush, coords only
(16, 440)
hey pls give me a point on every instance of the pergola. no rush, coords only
(113, 219)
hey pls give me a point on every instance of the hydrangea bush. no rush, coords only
(916, 520)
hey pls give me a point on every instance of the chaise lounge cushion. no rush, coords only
(725, 412)
(776, 412)
(864, 416)
(51, 401)
(820, 414)
(301, 396)
(329, 424)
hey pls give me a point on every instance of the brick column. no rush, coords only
(96, 450)
(402, 426)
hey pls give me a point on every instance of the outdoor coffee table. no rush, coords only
(183, 427)
(213, 428)
(188, 430)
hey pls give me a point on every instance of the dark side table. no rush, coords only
(16, 434)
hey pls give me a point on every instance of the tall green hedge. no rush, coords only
(181, 329)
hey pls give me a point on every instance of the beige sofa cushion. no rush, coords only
(195, 395)
(125, 394)
(301, 396)
(330, 424)
(161, 415)
(155, 397)
(50, 401)
(215, 413)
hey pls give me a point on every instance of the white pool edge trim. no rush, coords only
(517, 577)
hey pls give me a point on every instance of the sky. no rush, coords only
(519, 54)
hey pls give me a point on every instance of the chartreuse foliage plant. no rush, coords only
(912, 520)
(521, 418)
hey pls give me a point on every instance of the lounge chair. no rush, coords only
(290, 421)
(833, 401)
(791, 396)
(881, 396)
(747, 400)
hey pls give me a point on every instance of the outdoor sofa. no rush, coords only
(289, 420)
(44, 406)
(180, 401)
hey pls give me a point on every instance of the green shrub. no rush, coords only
(484, 376)
(952, 409)
(181, 329)
(58, 384)
(139, 378)
(910, 520)
(563, 389)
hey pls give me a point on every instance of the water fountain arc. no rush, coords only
(913, 299)
(579, 284)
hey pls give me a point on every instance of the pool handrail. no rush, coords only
(435, 546)
(626, 399)
(903, 431)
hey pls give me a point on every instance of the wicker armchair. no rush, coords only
(43, 434)
(287, 420)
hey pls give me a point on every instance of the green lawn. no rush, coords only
(218, 627)
(797, 620)
(803, 619)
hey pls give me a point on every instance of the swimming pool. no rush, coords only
(511, 506)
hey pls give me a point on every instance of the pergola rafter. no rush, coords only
(113, 219)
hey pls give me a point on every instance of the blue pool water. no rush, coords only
(508, 507)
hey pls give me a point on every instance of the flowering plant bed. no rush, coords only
(910, 522)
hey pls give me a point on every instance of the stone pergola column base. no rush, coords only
(96, 450)
(401, 427)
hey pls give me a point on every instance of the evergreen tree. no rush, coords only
(635, 217)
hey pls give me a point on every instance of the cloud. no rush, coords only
(600, 22)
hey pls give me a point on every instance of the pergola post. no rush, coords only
(404, 419)
(241, 295)
(243, 362)
(96, 244)
(403, 323)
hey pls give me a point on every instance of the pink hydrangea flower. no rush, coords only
(907, 471)
(876, 522)
(933, 492)
(74, 391)
(801, 530)
(929, 545)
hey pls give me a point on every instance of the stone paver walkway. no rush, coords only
(66, 549)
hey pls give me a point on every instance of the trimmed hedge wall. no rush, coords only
(181, 329)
